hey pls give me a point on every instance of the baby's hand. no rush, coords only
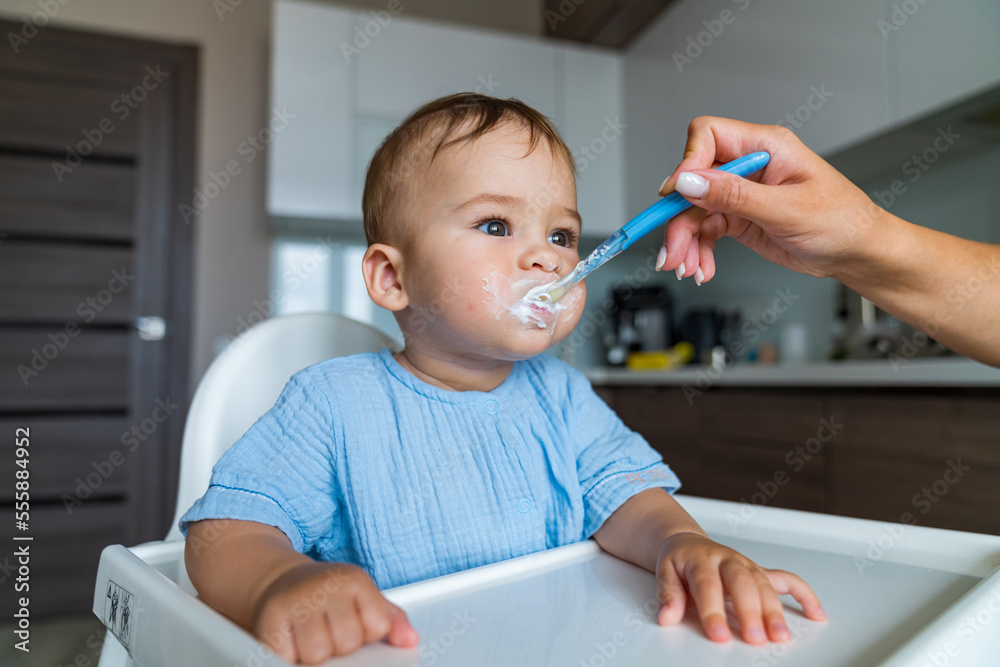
(711, 570)
(317, 610)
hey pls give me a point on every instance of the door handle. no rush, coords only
(150, 327)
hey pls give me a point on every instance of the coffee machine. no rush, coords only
(641, 321)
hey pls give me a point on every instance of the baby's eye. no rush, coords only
(559, 238)
(494, 227)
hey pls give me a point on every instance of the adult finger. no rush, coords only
(712, 229)
(690, 264)
(743, 592)
(678, 236)
(706, 588)
(713, 140)
(719, 191)
(786, 583)
(670, 594)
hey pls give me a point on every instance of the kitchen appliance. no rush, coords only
(702, 328)
(642, 321)
(868, 332)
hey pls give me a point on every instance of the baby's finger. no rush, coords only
(706, 589)
(344, 626)
(401, 633)
(279, 637)
(773, 611)
(786, 583)
(746, 599)
(670, 594)
(313, 641)
(375, 613)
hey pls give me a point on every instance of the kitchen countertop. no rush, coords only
(947, 372)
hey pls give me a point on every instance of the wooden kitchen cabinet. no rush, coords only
(929, 457)
(936, 458)
(663, 416)
(765, 447)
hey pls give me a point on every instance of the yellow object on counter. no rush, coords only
(679, 355)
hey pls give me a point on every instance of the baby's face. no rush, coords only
(491, 224)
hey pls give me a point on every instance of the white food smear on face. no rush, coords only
(522, 308)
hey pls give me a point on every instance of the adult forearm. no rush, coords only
(231, 563)
(946, 286)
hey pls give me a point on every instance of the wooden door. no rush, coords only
(96, 160)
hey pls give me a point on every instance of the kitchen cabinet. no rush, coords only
(940, 52)
(592, 124)
(936, 458)
(413, 61)
(818, 68)
(310, 161)
(924, 457)
(351, 76)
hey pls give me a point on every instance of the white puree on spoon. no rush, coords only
(511, 298)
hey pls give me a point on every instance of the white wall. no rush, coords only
(232, 235)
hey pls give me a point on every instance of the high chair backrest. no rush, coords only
(245, 381)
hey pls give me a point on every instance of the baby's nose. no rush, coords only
(542, 256)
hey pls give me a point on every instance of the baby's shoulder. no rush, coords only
(354, 374)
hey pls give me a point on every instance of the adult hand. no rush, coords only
(798, 212)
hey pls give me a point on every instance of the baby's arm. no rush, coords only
(303, 609)
(653, 531)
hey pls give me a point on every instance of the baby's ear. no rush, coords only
(382, 267)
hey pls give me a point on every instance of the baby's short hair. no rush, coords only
(410, 148)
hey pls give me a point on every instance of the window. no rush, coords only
(323, 274)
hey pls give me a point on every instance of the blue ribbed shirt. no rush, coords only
(359, 461)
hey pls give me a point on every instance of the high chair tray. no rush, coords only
(895, 595)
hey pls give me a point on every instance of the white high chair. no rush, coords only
(896, 595)
(239, 386)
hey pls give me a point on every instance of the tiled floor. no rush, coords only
(56, 642)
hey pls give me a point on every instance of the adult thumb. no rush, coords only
(715, 190)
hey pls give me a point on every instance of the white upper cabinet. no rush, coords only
(816, 67)
(351, 76)
(593, 125)
(310, 161)
(411, 61)
(940, 51)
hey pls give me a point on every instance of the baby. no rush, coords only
(467, 447)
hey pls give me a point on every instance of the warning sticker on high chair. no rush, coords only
(119, 613)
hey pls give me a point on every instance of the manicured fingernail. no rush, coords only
(691, 185)
(779, 629)
(661, 258)
(699, 277)
(822, 613)
(718, 631)
(757, 634)
(680, 271)
(663, 184)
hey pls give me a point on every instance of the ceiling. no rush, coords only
(612, 23)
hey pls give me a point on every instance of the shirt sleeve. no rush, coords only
(281, 472)
(613, 462)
